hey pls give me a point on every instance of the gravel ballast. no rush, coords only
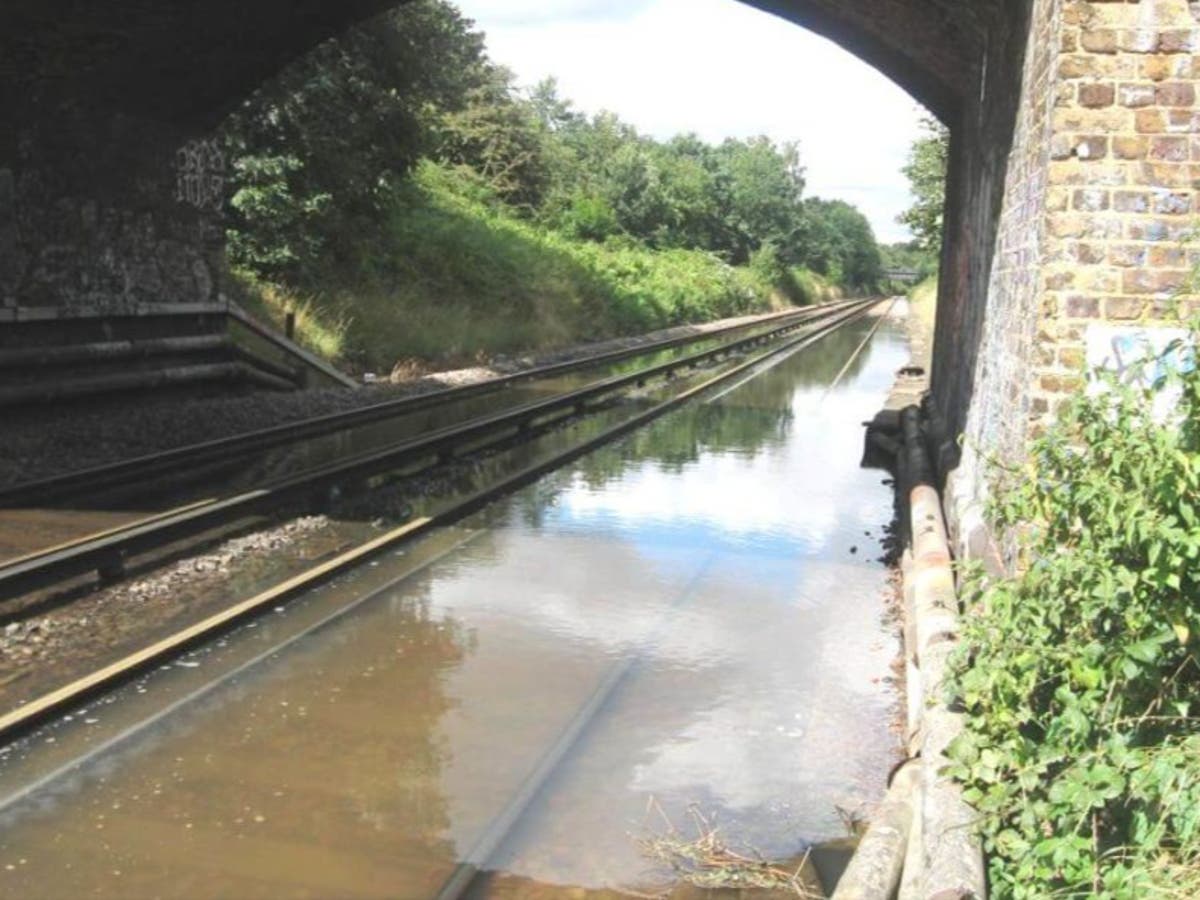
(40, 442)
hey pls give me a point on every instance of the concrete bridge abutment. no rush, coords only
(107, 214)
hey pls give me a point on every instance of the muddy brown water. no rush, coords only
(348, 748)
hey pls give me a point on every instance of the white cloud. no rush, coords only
(721, 69)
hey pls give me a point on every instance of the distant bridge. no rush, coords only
(902, 276)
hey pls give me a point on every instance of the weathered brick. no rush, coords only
(1170, 149)
(1124, 147)
(1168, 257)
(1175, 93)
(1138, 40)
(1079, 307)
(1091, 146)
(1071, 358)
(1099, 40)
(1088, 254)
(1061, 384)
(1091, 200)
(1128, 254)
(1090, 173)
(1153, 281)
(1156, 230)
(1078, 12)
(1085, 225)
(1100, 281)
(1182, 121)
(1058, 281)
(1150, 121)
(1178, 41)
(1058, 199)
(1076, 66)
(1166, 174)
(1131, 201)
(1136, 95)
(1161, 68)
(1098, 95)
(1124, 307)
(1167, 203)
(1082, 120)
(1061, 147)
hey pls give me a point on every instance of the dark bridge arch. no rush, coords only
(1071, 165)
(187, 62)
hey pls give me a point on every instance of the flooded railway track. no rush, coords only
(109, 552)
(137, 476)
(60, 564)
(53, 748)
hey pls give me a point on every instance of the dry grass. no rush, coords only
(320, 332)
(1175, 878)
(704, 860)
(923, 300)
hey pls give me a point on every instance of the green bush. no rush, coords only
(1079, 676)
(455, 275)
(590, 218)
(768, 267)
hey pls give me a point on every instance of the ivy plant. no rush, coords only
(1078, 675)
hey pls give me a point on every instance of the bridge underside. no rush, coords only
(1072, 175)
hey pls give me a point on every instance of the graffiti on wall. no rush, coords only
(200, 174)
(1137, 355)
(1140, 356)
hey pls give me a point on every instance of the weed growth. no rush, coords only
(1079, 675)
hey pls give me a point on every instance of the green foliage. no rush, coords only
(1079, 675)
(499, 137)
(590, 218)
(840, 244)
(505, 284)
(768, 267)
(315, 148)
(352, 166)
(928, 162)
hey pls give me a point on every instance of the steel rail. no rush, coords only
(27, 716)
(109, 549)
(138, 469)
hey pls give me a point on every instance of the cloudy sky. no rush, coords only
(721, 69)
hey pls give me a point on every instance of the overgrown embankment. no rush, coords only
(1080, 675)
(422, 205)
(455, 275)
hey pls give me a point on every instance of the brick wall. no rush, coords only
(1100, 199)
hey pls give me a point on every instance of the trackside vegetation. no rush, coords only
(414, 202)
(1079, 675)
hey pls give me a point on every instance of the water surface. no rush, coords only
(726, 555)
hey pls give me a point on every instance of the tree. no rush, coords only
(316, 148)
(765, 185)
(502, 138)
(926, 172)
(841, 244)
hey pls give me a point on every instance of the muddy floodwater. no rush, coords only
(722, 561)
